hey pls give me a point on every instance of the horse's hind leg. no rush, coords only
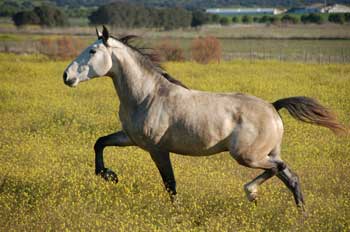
(116, 139)
(291, 180)
(271, 166)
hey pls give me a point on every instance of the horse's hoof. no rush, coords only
(252, 197)
(252, 194)
(109, 175)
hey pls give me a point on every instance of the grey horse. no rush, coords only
(161, 115)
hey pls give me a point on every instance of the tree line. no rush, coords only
(131, 16)
(339, 18)
(135, 16)
(45, 15)
(201, 4)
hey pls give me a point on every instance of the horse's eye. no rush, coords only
(92, 51)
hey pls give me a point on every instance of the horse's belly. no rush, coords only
(199, 150)
(206, 139)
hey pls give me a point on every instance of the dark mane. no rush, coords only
(151, 58)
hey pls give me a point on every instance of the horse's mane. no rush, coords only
(149, 58)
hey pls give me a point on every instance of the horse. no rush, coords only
(159, 114)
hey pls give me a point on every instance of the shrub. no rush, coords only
(205, 50)
(275, 19)
(247, 19)
(265, 19)
(336, 18)
(312, 18)
(235, 19)
(62, 48)
(347, 17)
(170, 51)
(290, 19)
(224, 21)
(215, 18)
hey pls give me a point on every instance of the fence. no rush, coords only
(339, 56)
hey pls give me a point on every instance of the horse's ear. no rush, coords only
(98, 34)
(105, 35)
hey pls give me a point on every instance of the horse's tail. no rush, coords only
(310, 111)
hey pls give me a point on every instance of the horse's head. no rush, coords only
(94, 61)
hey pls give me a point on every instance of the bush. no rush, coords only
(275, 19)
(170, 51)
(235, 19)
(205, 50)
(224, 21)
(265, 19)
(336, 18)
(247, 19)
(215, 18)
(62, 48)
(290, 19)
(312, 18)
(347, 17)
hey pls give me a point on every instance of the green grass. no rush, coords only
(48, 130)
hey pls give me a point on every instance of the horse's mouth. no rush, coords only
(71, 82)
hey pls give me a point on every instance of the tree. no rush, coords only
(235, 19)
(25, 17)
(347, 17)
(101, 16)
(134, 16)
(275, 19)
(224, 21)
(51, 16)
(215, 18)
(290, 19)
(42, 15)
(312, 18)
(199, 18)
(336, 18)
(247, 19)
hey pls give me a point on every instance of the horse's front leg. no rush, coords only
(119, 139)
(163, 163)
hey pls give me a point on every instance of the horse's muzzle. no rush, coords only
(69, 82)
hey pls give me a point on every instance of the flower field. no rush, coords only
(47, 133)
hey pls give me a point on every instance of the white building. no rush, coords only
(244, 11)
(321, 8)
(336, 8)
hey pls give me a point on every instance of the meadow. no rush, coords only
(47, 133)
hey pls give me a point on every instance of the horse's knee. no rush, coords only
(99, 144)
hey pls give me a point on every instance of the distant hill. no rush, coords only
(195, 4)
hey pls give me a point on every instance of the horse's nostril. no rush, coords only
(65, 76)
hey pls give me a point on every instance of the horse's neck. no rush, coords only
(134, 84)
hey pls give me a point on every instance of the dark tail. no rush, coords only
(310, 111)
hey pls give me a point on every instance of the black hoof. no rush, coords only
(109, 175)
